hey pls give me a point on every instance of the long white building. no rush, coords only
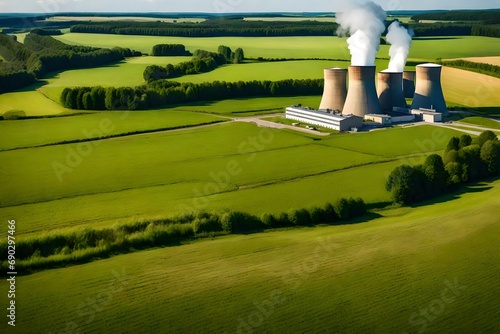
(324, 118)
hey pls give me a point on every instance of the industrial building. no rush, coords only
(324, 118)
(342, 109)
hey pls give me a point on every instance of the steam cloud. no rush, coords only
(400, 40)
(365, 23)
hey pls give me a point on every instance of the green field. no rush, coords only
(429, 48)
(35, 132)
(127, 73)
(166, 173)
(481, 121)
(251, 106)
(431, 268)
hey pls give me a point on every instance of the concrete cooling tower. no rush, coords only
(335, 90)
(362, 95)
(390, 90)
(428, 91)
(409, 84)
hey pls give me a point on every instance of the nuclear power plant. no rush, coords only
(342, 109)
(362, 95)
(428, 91)
(335, 90)
(390, 91)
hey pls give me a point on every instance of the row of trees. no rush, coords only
(488, 69)
(84, 245)
(162, 93)
(203, 61)
(211, 28)
(170, 50)
(485, 16)
(465, 160)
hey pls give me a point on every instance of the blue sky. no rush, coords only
(215, 6)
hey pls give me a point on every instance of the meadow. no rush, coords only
(426, 48)
(481, 121)
(161, 174)
(93, 126)
(433, 275)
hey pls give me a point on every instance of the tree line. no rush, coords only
(80, 246)
(211, 28)
(203, 61)
(483, 68)
(465, 160)
(485, 16)
(163, 93)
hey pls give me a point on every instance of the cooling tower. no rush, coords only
(409, 84)
(362, 96)
(428, 91)
(335, 90)
(390, 91)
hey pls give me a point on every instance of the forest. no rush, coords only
(41, 54)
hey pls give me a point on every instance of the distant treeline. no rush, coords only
(84, 245)
(485, 16)
(465, 160)
(454, 29)
(211, 28)
(483, 68)
(203, 61)
(47, 32)
(162, 93)
(161, 50)
(40, 54)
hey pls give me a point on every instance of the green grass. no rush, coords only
(251, 106)
(127, 73)
(296, 47)
(30, 103)
(13, 134)
(481, 121)
(167, 173)
(397, 265)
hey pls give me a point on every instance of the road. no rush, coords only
(266, 124)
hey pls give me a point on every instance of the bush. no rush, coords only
(239, 222)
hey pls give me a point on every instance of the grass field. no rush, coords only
(251, 106)
(167, 173)
(291, 19)
(431, 268)
(91, 126)
(127, 73)
(429, 48)
(481, 121)
(30, 102)
(470, 89)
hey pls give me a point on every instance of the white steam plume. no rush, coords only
(400, 40)
(365, 23)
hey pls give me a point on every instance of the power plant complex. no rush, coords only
(345, 109)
